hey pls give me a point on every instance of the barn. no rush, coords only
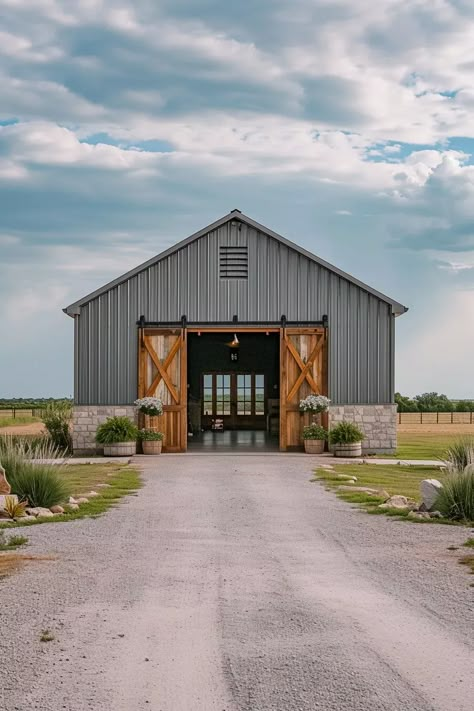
(231, 327)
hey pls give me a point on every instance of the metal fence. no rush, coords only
(435, 418)
(21, 412)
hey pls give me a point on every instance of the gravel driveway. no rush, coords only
(232, 583)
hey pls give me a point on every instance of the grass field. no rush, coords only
(426, 445)
(390, 478)
(17, 421)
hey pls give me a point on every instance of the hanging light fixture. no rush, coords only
(235, 343)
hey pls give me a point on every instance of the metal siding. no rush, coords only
(280, 281)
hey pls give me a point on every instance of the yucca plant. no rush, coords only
(460, 453)
(13, 508)
(456, 498)
(40, 483)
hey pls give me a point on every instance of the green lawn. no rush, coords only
(391, 478)
(120, 480)
(18, 420)
(425, 446)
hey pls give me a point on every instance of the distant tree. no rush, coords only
(465, 406)
(433, 402)
(405, 404)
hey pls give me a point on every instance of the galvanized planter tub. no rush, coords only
(120, 449)
(348, 450)
(314, 446)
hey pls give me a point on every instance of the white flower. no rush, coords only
(314, 403)
(149, 406)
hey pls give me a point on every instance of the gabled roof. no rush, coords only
(74, 308)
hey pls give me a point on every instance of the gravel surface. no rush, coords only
(230, 584)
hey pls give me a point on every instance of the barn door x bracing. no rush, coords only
(162, 370)
(303, 371)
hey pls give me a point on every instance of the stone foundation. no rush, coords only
(86, 418)
(378, 422)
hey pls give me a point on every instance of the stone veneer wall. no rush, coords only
(85, 419)
(378, 422)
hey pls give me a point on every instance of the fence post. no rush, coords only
(421, 418)
(452, 413)
(437, 417)
(14, 413)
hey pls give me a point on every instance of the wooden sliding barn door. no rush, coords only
(162, 372)
(303, 371)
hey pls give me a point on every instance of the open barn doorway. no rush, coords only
(233, 390)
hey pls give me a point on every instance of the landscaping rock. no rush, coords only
(39, 511)
(72, 507)
(72, 500)
(361, 489)
(346, 477)
(436, 514)
(82, 500)
(5, 487)
(92, 493)
(430, 489)
(418, 515)
(398, 502)
(57, 509)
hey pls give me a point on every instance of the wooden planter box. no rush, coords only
(152, 446)
(120, 449)
(314, 446)
(348, 450)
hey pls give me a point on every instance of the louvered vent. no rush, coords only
(233, 262)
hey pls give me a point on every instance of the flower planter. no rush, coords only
(314, 446)
(120, 449)
(348, 450)
(152, 446)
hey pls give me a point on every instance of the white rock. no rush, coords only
(73, 507)
(82, 500)
(430, 489)
(399, 502)
(346, 477)
(39, 511)
(72, 500)
(92, 493)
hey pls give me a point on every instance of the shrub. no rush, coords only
(14, 508)
(41, 484)
(456, 498)
(149, 435)
(116, 429)
(314, 432)
(345, 433)
(57, 418)
(460, 454)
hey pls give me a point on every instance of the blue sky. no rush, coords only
(347, 126)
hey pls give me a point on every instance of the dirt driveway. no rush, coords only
(231, 584)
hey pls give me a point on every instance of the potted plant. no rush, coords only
(118, 435)
(151, 441)
(314, 404)
(314, 437)
(151, 406)
(346, 439)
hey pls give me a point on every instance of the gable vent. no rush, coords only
(233, 262)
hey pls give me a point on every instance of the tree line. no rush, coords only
(432, 402)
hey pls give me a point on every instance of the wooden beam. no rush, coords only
(162, 368)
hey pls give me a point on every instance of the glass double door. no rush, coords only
(233, 400)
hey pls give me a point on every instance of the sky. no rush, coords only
(347, 126)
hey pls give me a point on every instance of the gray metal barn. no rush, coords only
(233, 326)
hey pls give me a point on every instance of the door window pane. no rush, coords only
(222, 394)
(259, 394)
(244, 394)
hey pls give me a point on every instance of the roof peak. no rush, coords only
(73, 309)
